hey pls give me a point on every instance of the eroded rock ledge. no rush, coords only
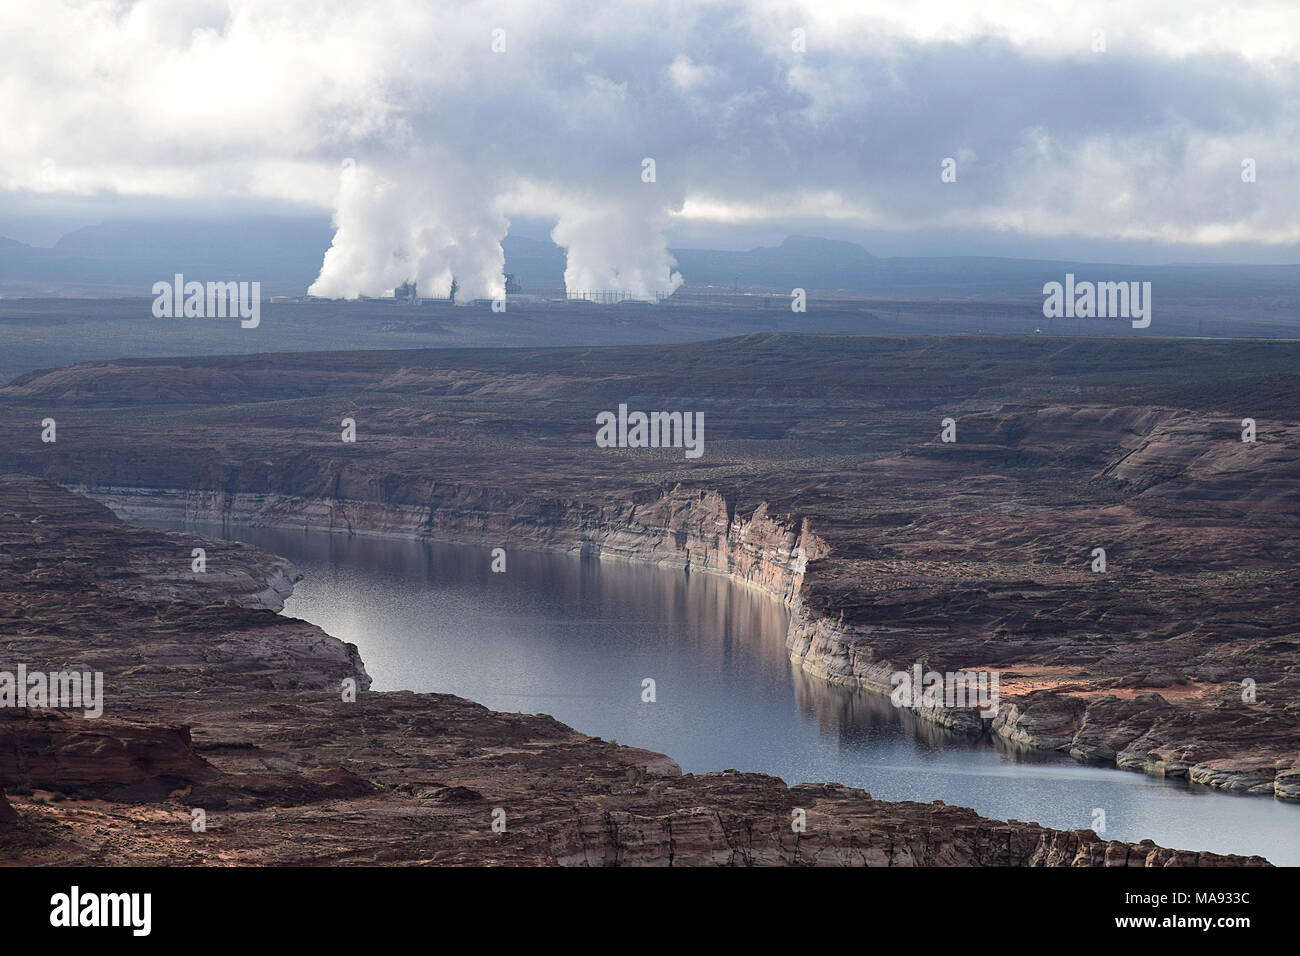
(213, 702)
(686, 528)
(971, 555)
(1220, 743)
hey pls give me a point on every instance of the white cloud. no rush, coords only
(193, 99)
(686, 74)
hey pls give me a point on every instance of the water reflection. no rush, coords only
(855, 715)
(574, 638)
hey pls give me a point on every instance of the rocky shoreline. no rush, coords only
(693, 529)
(1181, 660)
(219, 709)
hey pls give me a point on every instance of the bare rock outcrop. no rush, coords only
(281, 768)
(825, 482)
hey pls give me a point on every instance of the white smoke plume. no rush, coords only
(616, 247)
(393, 228)
(458, 116)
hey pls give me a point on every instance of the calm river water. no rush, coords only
(575, 638)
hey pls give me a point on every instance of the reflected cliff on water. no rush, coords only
(857, 715)
(577, 637)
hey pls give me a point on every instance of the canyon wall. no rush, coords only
(688, 529)
(695, 529)
(685, 528)
(216, 704)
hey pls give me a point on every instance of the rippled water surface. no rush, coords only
(575, 638)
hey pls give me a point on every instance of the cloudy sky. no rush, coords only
(1084, 130)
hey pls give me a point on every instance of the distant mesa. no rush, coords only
(117, 259)
(811, 245)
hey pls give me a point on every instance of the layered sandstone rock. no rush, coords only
(960, 556)
(216, 750)
(686, 528)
